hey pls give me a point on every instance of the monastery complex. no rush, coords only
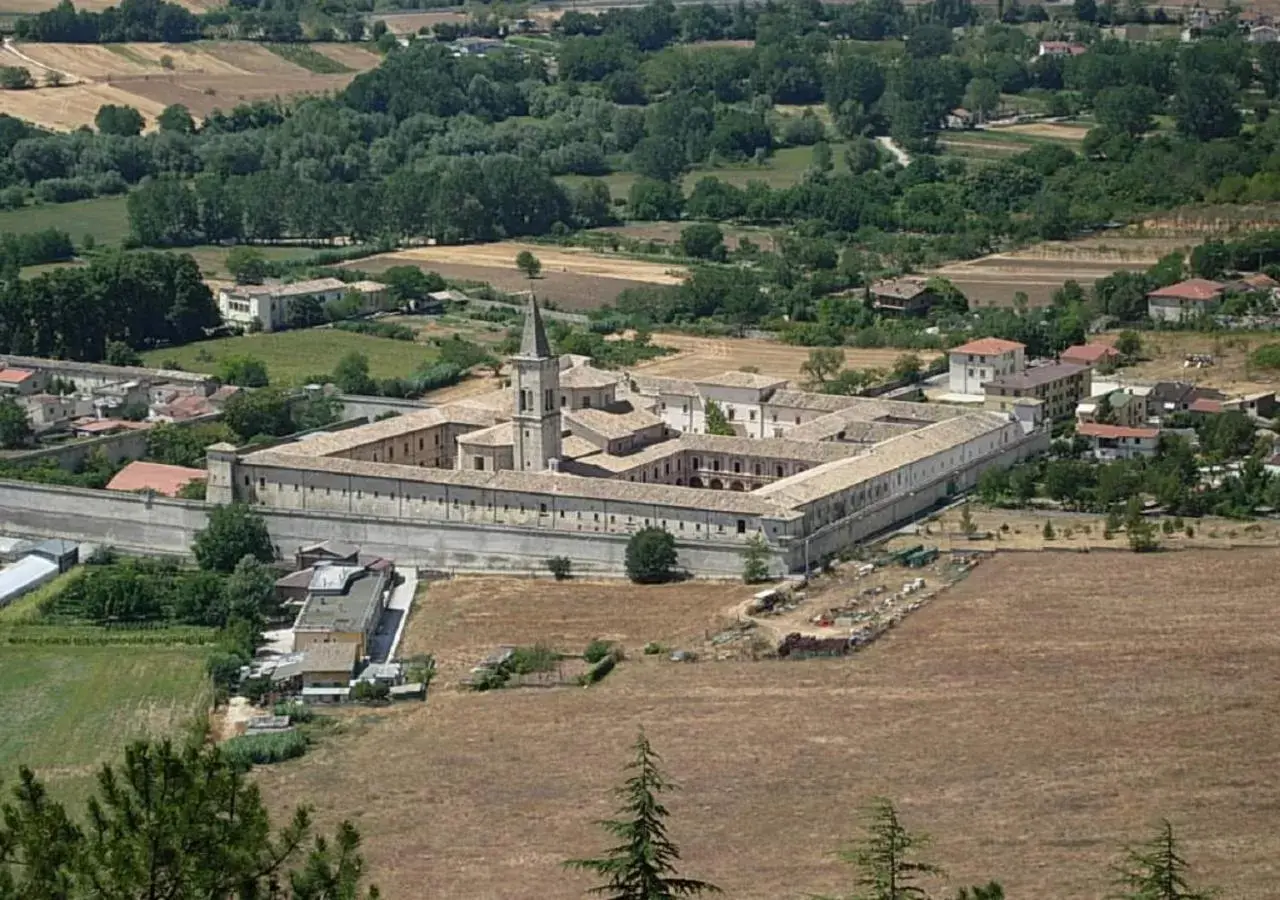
(570, 449)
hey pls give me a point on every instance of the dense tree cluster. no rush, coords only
(132, 20)
(139, 298)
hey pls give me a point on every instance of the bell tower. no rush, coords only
(536, 381)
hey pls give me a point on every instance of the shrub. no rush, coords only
(538, 658)
(264, 749)
(1048, 531)
(297, 712)
(598, 671)
(653, 648)
(597, 650)
(1267, 356)
(651, 556)
(371, 691)
(560, 567)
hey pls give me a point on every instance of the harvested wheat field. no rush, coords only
(699, 357)
(68, 108)
(1058, 131)
(573, 279)
(204, 76)
(1040, 270)
(1031, 718)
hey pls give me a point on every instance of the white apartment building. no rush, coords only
(977, 362)
(269, 305)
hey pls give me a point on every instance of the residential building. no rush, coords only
(1060, 385)
(1112, 442)
(1120, 408)
(1096, 355)
(268, 306)
(1061, 48)
(1185, 300)
(22, 382)
(903, 296)
(326, 552)
(1263, 34)
(1259, 405)
(344, 603)
(959, 119)
(1169, 397)
(326, 670)
(977, 362)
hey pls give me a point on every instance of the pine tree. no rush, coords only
(1155, 870)
(887, 868)
(642, 865)
(755, 559)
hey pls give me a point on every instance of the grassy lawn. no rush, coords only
(64, 710)
(783, 169)
(293, 356)
(213, 259)
(103, 217)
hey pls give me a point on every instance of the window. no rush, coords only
(406, 448)
(479, 463)
(549, 400)
(737, 467)
(732, 413)
(419, 443)
(775, 417)
(563, 400)
(391, 453)
(742, 526)
(715, 465)
(437, 438)
(696, 463)
(542, 509)
(524, 400)
(757, 468)
(797, 420)
(262, 482)
(752, 415)
(586, 401)
(778, 471)
(246, 481)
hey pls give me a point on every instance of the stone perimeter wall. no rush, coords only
(148, 524)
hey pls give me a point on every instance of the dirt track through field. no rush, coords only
(1032, 719)
(579, 262)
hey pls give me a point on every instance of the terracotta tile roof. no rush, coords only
(1096, 429)
(1197, 290)
(14, 376)
(1205, 405)
(1089, 353)
(989, 346)
(162, 479)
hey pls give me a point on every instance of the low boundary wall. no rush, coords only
(146, 523)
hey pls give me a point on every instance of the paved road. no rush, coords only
(386, 641)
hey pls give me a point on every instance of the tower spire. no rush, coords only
(533, 343)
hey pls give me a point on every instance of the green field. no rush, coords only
(65, 710)
(104, 217)
(293, 356)
(213, 259)
(309, 59)
(783, 169)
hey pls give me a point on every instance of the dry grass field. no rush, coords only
(1165, 352)
(1023, 529)
(669, 233)
(699, 357)
(204, 76)
(574, 279)
(1032, 718)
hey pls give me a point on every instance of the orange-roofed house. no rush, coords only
(1111, 442)
(1091, 355)
(977, 362)
(19, 381)
(162, 479)
(1185, 300)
